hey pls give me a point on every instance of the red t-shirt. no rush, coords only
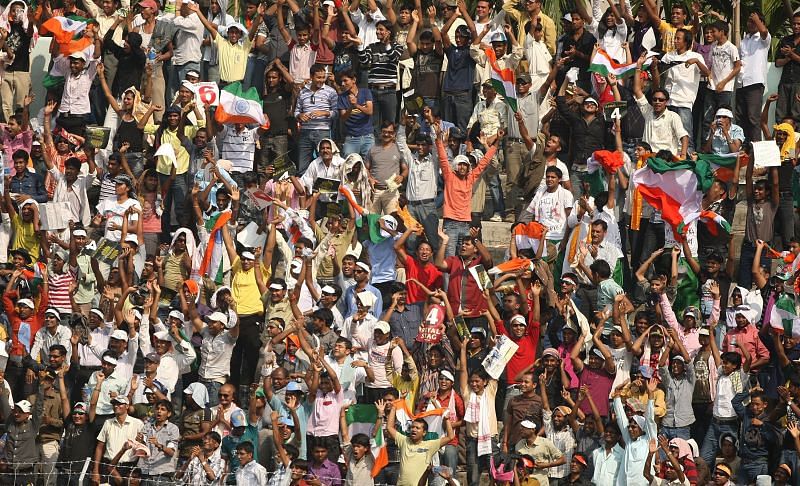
(427, 273)
(599, 382)
(525, 354)
(473, 300)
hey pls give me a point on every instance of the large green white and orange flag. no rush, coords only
(239, 106)
(603, 65)
(503, 80)
(361, 420)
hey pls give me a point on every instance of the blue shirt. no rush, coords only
(31, 184)
(460, 69)
(719, 145)
(358, 123)
(383, 260)
(350, 302)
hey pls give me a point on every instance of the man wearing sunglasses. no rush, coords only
(663, 129)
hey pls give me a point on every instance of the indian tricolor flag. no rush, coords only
(783, 318)
(672, 188)
(603, 64)
(712, 220)
(63, 29)
(213, 258)
(433, 416)
(529, 236)
(361, 420)
(722, 167)
(503, 80)
(513, 265)
(239, 106)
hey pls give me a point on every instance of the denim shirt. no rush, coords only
(31, 184)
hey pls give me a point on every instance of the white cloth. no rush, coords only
(477, 412)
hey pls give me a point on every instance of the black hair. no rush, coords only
(19, 154)
(733, 358)
(422, 422)
(687, 36)
(166, 404)
(347, 343)
(721, 26)
(601, 269)
(324, 314)
(360, 439)
(245, 446)
(300, 464)
(214, 436)
(60, 348)
(73, 162)
(555, 170)
(316, 68)
(662, 91)
(600, 223)
(292, 451)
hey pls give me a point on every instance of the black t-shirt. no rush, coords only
(277, 108)
(345, 58)
(19, 42)
(585, 45)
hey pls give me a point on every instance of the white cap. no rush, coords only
(132, 239)
(528, 424)
(161, 335)
(363, 266)
(79, 232)
(24, 405)
(724, 112)
(382, 326)
(110, 360)
(328, 2)
(177, 315)
(26, 302)
(52, 312)
(218, 317)
(276, 286)
(460, 159)
(119, 334)
(328, 290)
(78, 55)
(248, 255)
(98, 313)
(121, 399)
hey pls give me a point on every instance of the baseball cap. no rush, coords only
(132, 239)
(551, 352)
(363, 266)
(194, 73)
(177, 315)
(524, 77)
(447, 374)
(287, 421)
(217, 317)
(478, 330)
(580, 459)
(52, 312)
(382, 326)
(724, 469)
(24, 405)
(110, 360)
(153, 357)
(293, 386)
(120, 399)
(78, 55)
(690, 311)
(123, 179)
(703, 331)
(248, 255)
(589, 99)
(120, 335)
(528, 424)
(161, 335)
(148, 4)
(498, 37)
(238, 419)
(80, 407)
(79, 232)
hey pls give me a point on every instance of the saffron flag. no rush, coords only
(673, 189)
(511, 266)
(529, 236)
(503, 80)
(239, 106)
(603, 65)
(347, 193)
(783, 318)
(606, 160)
(63, 29)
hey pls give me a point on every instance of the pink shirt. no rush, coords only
(23, 141)
(301, 58)
(324, 418)
(749, 338)
(458, 191)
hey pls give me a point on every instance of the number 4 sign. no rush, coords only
(207, 93)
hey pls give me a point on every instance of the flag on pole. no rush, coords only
(239, 106)
(503, 80)
(603, 65)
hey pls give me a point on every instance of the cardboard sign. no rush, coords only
(107, 251)
(327, 186)
(54, 215)
(495, 362)
(431, 334)
(261, 199)
(766, 154)
(207, 93)
(615, 109)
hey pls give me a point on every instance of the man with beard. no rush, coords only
(387, 169)
(421, 188)
(316, 106)
(525, 406)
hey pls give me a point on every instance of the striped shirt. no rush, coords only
(239, 147)
(323, 99)
(383, 60)
(107, 187)
(58, 285)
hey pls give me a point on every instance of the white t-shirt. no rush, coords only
(113, 212)
(564, 174)
(722, 60)
(682, 82)
(623, 359)
(753, 52)
(550, 209)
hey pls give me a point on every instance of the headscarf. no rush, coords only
(191, 249)
(788, 147)
(140, 108)
(362, 183)
(199, 394)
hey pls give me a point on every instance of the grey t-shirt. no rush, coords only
(384, 161)
(760, 220)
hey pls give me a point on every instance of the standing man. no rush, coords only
(113, 439)
(187, 52)
(753, 52)
(316, 106)
(663, 129)
(381, 58)
(387, 169)
(533, 12)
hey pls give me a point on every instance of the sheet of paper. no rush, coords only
(766, 154)
(54, 215)
(250, 238)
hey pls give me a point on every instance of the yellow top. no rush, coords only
(245, 290)
(232, 58)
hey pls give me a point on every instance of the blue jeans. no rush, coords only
(254, 74)
(686, 121)
(496, 191)
(455, 230)
(711, 441)
(178, 74)
(384, 101)
(457, 108)
(711, 104)
(212, 387)
(746, 256)
(177, 197)
(425, 212)
(476, 464)
(751, 468)
(677, 432)
(448, 456)
(358, 145)
(307, 147)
